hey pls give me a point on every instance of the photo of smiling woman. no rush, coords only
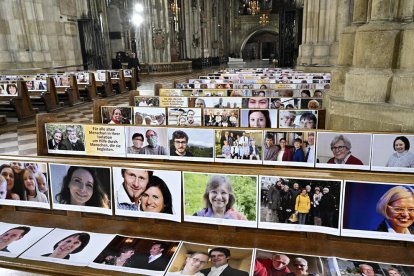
(70, 245)
(157, 197)
(220, 196)
(258, 118)
(387, 211)
(79, 188)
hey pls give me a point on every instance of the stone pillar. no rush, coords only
(323, 21)
(374, 92)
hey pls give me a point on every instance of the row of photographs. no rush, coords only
(335, 150)
(218, 117)
(249, 84)
(244, 91)
(267, 79)
(148, 256)
(347, 208)
(254, 102)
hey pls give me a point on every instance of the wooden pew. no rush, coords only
(117, 81)
(18, 106)
(69, 95)
(104, 88)
(130, 81)
(87, 90)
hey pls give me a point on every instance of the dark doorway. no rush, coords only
(261, 45)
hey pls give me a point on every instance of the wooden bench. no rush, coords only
(86, 91)
(130, 81)
(18, 106)
(69, 95)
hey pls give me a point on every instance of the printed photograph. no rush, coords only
(184, 116)
(304, 119)
(150, 116)
(215, 102)
(116, 115)
(136, 255)
(221, 117)
(289, 148)
(81, 188)
(100, 75)
(82, 77)
(256, 103)
(220, 199)
(191, 144)
(68, 247)
(201, 259)
(145, 141)
(311, 103)
(391, 152)
(147, 193)
(386, 211)
(285, 264)
(24, 184)
(17, 238)
(258, 118)
(65, 139)
(143, 101)
(238, 146)
(343, 150)
(299, 204)
(366, 268)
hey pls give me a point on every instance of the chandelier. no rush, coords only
(264, 19)
(254, 7)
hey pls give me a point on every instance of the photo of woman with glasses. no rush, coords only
(397, 208)
(341, 150)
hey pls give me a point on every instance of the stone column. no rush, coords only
(376, 92)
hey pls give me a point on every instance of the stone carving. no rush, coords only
(196, 40)
(158, 38)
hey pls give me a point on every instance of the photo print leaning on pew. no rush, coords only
(367, 268)
(116, 115)
(150, 116)
(65, 138)
(191, 144)
(81, 188)
(300, 204)
(184, 117)
(343, 150)
(24, 184)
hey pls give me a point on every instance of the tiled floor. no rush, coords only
(19, 138)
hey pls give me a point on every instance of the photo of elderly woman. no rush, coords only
(218, 200)
(81, 188)
(279, 263)
(258, 118)
(391, 152)
(150, 194)
(387, 211)
(68, 247)
(343, 150)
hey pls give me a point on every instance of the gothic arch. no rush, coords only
(254, 33)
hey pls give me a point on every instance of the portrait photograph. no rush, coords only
(146, 101)
(258, 118)
(82, 77)
(116, 115)
(289, 148)
(256, 102)
(39, 85)
(238, 146)
(10, 89)
(127, 73)
(68, 247)
(81, 188)
(65, 138)
(200, 259)
(17, 238)
(147, 193)
(147, 142)
(184, 116)
(311, 103)
(24, 184)
(378, 210)
(222, 199)
(150, 116)
(300, 204)
(221, 117)
(392, 152)
(114, 75)
(215, 102)
(136, 255)
(369, 268)
(174, 101)
(302, 119)
(285, 103)
(100, 75)
(280, 263)
(191, 144)
(343, 150)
